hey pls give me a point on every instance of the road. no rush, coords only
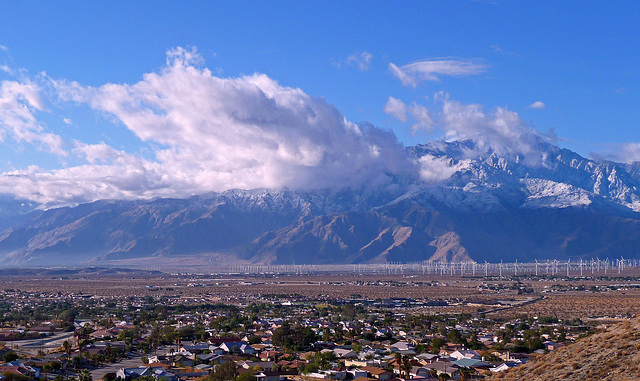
(134, 362)
(46, 343)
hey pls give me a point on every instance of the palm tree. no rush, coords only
(84, 375)
(443, 376)
(406, 365)
(398, 358)
(465, 374)
(67, 349)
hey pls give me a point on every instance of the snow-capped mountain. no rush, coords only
(473, 203)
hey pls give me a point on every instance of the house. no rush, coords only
(419, 372)
(196, 348)
(508, 356)
(358, 373)
(159, 359)
(345, 353)
(184, 358)
(237, 347)
(209, 358)
(465, 354)
(203, 367)
(267, 365)
(158, 373)
(220, 340)
(444, 367)
(402, 346)
(269, 355)
(504, 366)
(378, 373)
(186, 373)
(267, 375)
(472, 363)
(427, 358)
(290, 365)
(217, 350)
(19, 368)
(552, 345)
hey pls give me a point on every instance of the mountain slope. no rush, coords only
(489, 206)
(610, 355)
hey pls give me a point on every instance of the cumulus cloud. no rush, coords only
(18, 103)
(122, 177)
(361, 60)
(537, 105)
(396, 108)
(203, 133)
(502, 131)
(623, 153)
(422, 118)
(213, 134)
(432, 69)
(419, 114)
(434, 169)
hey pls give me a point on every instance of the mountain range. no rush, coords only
(485, 205)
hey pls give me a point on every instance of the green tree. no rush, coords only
(437, 343)
(406, 366)
(84, 375)
(398, 360)
(247, 376)
(9, 376)
(295, 338)
(455, 336)
(66, 345)
(10, 356)
(223, 372)
(465, 374)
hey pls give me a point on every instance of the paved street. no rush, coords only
(97, 374)
(47, 343)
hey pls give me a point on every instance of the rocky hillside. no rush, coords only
(610, 355)
(488, 207)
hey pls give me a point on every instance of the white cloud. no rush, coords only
(203, 133)
(422, 117)
(434, 169)
(502, 131)
(431, 70)
(18, 102)
(3, 48)
(418, 113)
(622, 153)
(396, 108)
(361, 60)
(537, 105)
(213, 134)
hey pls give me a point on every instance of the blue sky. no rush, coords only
(564, 65)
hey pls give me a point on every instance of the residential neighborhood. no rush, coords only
(69, 336)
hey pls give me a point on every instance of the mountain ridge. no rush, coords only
(549, 204)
